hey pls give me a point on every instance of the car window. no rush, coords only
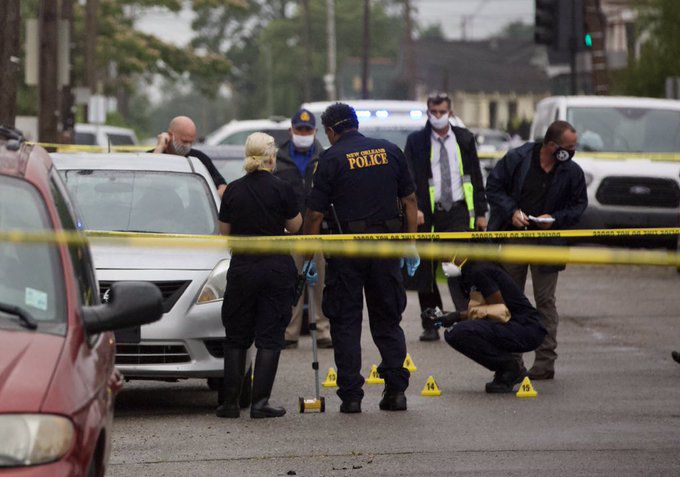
(83, 268)
(143, 201)
(542, 120)
(239, 138)
(88, 139)
(120, 139)
(231, 169)
(31, 276)
(612, 129)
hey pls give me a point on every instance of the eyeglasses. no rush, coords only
(438, 97)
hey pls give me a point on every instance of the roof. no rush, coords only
(215, 137)
(141, 161)
(496, 65)
(370, 105)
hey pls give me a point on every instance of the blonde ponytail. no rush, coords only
(260, 153)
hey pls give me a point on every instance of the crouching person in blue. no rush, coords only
(259, 295)
(499, 321)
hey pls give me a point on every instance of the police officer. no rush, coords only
(365, 182)
(484, 334)
(259, 295)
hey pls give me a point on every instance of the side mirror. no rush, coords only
(130, 304)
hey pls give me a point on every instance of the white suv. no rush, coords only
(623, 142)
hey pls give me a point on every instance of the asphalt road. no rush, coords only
(613, 409)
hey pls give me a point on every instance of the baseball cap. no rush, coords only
(303, 118)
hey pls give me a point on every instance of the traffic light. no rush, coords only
(560, 25)
(588, 40)
(547, 12)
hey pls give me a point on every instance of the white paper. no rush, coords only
(36, 298)
(542, 220)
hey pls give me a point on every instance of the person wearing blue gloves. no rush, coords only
(366, 185)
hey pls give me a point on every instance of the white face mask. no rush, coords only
(439, 123)
(303, 142)
(451, 270)
(180, 148)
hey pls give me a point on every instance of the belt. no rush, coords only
(440, 208)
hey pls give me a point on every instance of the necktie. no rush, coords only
(446, 196)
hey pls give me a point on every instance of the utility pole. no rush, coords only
(10, 23)
(68, 118)
(596, 28)
(572, 52)
(48, 115)
(91, 11)
(409, 53)
(307, 65)
(329, 78)
(365, 59)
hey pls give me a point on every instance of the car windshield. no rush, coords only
(396, 136)
(239, 138)
(611, 129)
(143, 201)
(30, 274)
(231, 169)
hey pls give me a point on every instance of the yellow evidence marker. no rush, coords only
(331, 380)
(374, 377)
(526, 389)
(409, 364)
(431, 388)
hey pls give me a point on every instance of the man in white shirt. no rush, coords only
(450, 191)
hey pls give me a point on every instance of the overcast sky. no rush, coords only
(482, 18)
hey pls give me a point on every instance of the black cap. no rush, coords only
(303, 118)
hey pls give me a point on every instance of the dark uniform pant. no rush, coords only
(455, 220)
(491, 343)
(382, 282)
(258, 300)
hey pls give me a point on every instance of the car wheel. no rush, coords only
(246, 389)
(215, 384)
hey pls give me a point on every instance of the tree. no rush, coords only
(660, 54)
(432, 32)
(10, 21)
(517, 30)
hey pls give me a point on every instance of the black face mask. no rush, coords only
(562, 154)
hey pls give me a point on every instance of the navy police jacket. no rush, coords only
(363, 177)
(566, 201)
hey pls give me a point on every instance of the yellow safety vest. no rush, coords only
(468, 190)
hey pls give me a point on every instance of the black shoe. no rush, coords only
(429, 334)
(350, 407)
(228, 397)
(505, 381)
(393, 401)
(676, 356)
(266, 364)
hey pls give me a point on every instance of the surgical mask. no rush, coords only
(303, 142)
(451, 270)
(562, 154)
(439, 123)
(180, 148)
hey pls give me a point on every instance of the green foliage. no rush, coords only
(267, 47)
(660, 54)
(517, 30)
(432, 32)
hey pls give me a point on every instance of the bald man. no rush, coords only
(178, 139)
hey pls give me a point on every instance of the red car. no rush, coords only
(57, 375)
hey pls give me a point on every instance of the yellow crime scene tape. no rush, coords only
(662, 157)
(87, 148)
(388, 245)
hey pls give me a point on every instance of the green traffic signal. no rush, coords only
(588, 40)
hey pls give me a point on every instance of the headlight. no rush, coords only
(215, 285)
(30, 439)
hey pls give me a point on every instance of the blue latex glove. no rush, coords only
(311, 275)
(412, 262)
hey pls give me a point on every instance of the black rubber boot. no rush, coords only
(266, 364)
(393, 401)
(505, 379)
(234, 362)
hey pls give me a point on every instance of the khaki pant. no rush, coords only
(545, 285)
(322, 324)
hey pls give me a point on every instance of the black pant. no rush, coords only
(258, 301)
(455, 220)
(491, 343)
(346, 280)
